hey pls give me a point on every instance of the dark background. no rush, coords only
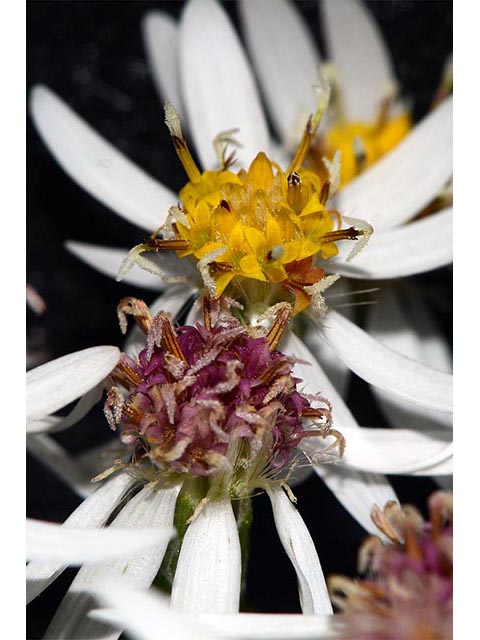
(91, 54)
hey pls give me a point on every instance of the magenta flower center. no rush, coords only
(203, 395)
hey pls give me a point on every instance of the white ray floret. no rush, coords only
(386, 368)
(92, 513)
(299, 547)
(355, 490)
(51, 423)
(286, 60)
(160, 34)
(51, 542)
(413, 248)
(210, 57)
(402, 321)
(96, 165)
(55, 384)
(395, 451)
(362, 62)
(57, 459)
(143, 613)
(407, 178)
(151, 507)
(209, 567)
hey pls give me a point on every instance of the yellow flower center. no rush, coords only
(363, 143)
(259, 225)
(264, 218)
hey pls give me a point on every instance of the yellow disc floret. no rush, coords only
(264, 218)
(361, 143)
(257, 225)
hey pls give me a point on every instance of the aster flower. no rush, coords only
(409, 589)
(380, 192)
(208, 413)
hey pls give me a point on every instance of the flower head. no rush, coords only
(409, 591)
(259, 225)
(212, 398)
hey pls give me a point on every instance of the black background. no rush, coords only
(91, 54)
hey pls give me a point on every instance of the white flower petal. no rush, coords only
(395, 451)
(55, 458)
(442, 471)
(336, 370)
(273, 626)
(51, 424)
(51, 542)
(92, 512)
(299, 547)
(171, 302)
(356, 46)
(217, 84)
(406, 179)
(143, 613)
(286, 61)
(108, 261)
(403, 251)
(386, 369)
(356, 490)
(403, 322)
(96, 165)
(55, 384)
(207, 578)
(151, 507)
(160, 35)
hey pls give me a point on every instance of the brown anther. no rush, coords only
(270, 372)
(211, 308)
(342, 234)
(169, 339)
(113, 407)
(294, 192)
(312, 412)
(324, 193)
(174, 244)
(278, 327)
(136, 308)
(303, 147)
(169, 433)
(125, 374)
(412, 545)
(185, 157)
(222, 266)
(224, 204)
(131, 413)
